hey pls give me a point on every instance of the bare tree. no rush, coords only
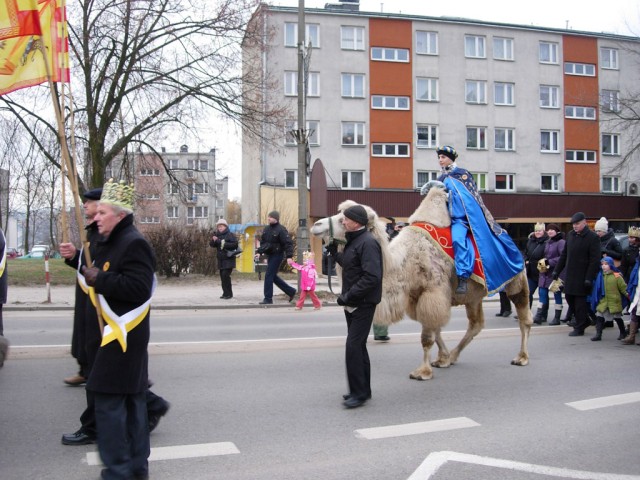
(141, 68)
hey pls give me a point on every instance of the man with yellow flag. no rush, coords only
(122, 281)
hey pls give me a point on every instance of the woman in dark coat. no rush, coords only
(225, 242)
(552, 251)
(4, 345)
(533, 252)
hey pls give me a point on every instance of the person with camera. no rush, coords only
(227, 245)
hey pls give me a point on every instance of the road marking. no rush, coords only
(180, 451)
(415, 428)
(436, 460)
(603, 402)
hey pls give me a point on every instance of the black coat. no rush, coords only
(275, 239)
(581, 258)
(534, 252)
(225, 262)
(610, 245)
(629, 256)
(127, 265)
(4, 278)
(361, 262)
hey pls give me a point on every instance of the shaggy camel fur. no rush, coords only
(419, 280)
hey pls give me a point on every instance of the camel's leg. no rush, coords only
(444, 357)
(424, 371)
(475, 316)
(521, 301)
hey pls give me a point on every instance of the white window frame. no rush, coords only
(508, 139)
(549, 96)
(354, 130)
(291, 179)
(174, 163)
(509, 179)
(350, 177)
(503, 45)
(349, 83)
(352, 37)
(609, 58)
(504, 93)
(610, 100)
(201, 188)
(313, 138)
(430, 88)
(579, 112)
(480, 180)
(291, 84)
(429, 137)
(148, 219)
(480, 134)
(612, 140)
(388, 102)
(312, 34)
(427, 176)
(580, 156)
(553, 141)
(610, 184)
(554, 180)
(386, 54)
(173, 211)
(475, 46)
(149, 172)
(399, 150)
(475, 92)
(580, 69)
(426, 43)
(548, 53)
(173, 188)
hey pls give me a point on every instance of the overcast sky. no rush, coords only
(614, 16)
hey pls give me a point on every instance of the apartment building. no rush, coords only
(181, 188)
(530, 110)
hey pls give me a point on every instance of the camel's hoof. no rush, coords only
(413, 376)
(441, 364)
(520, 362)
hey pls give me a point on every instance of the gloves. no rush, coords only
(555, 275)
(341, 301)
(90, 275)
(332, 249)
(588, 284)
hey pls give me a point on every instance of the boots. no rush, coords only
(557, 315)
(620, 324)
(633, 329)
(541, 314)
(569, 316)
(462, 286)
(599, 327)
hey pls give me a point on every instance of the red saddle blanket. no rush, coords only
(442, 238)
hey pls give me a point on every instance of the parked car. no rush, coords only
(623, 238)
(13, 252)
(32, 254)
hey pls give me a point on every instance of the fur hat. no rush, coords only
(222, 221)
(357, 213)
(448, 152)
(578, 217)
(602, 225)
(553, 226)
(539, 227)
(274, 214)
(634, 232)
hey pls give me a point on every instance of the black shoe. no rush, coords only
(78, 438)
(291, 297)
(462, 286)
(226, 297)
(506, 314)
(353, 402)
(576, 333)
(266, 302)
(155, 416)
(347, 396)
(381, 338)
(554, 322)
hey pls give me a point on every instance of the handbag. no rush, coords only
(233, 253)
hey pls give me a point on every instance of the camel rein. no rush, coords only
(330, 262)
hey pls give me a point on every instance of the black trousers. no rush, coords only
(578, 304)
(123, 434)
(225, 280)
(505, 304)
(271, 277)
(356, 356)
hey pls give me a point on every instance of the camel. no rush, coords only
(419, 279)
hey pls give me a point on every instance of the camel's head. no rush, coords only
(433, 209)
(331, 228)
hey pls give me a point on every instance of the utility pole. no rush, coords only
(302, 138)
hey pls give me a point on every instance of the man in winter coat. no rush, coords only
(226, 242)
(630, 254)
(277, 245)
(122, 277)
(361, 262)
(581, 257)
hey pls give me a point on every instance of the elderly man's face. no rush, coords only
(90, 208)
(579, 226)
(106, 218)
(350, 225)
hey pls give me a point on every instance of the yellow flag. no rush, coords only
(21, 60)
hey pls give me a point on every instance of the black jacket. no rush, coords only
(275, 239)
(230, 244)
(629, 256)
(610, 245)
(361, 262)
(127, 265)
(533, 252)
(581, 256)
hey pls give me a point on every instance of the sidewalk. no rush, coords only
(202, 293)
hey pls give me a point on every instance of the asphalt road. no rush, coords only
(256, 394)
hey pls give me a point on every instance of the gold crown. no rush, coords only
(539, 226)
(634, 232)
(119, 194)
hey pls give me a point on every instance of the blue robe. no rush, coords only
(500, 257)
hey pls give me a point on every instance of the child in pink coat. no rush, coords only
(308, 277)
